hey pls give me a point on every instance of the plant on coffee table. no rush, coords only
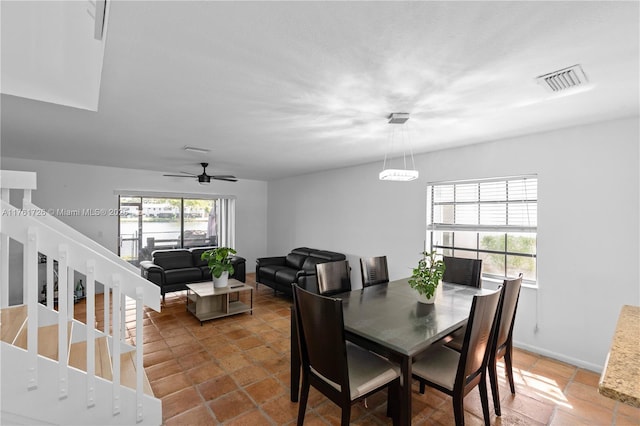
(219, 260)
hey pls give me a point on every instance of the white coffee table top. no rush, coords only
(206, 288)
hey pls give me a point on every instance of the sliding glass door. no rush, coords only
(152, 223)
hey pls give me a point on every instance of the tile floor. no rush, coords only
(235, 371)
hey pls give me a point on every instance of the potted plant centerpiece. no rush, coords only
(427, 276)
(219, 262)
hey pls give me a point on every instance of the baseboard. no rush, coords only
(560, 357)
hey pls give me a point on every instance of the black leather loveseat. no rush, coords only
(298, 267)
(172, 269)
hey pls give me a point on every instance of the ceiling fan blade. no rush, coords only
(228, 178)
(189, 176)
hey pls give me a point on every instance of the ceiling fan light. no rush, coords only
(400, 175)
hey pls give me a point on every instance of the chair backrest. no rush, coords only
(510, 294)
(374, 270)
(477, 338)
(321, 336)
(333, 277)
(459, 270)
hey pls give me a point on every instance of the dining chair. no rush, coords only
(374, 270)
(333, 277)
(459, 270)
(457, 373)
(502, 344)
(344, 372)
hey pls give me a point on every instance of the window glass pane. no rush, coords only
(130, 229)
(492, 241)
(525, 189)
(493, 214)
(523, 214)
(443, 214)
(517, 264)
(521, 243)
(199, 223)
(160, 223)
(466, 214)
(466, 240)
(467, 254)
(493, 264)
(467, 192)
(442, 193)
(443, 238)
(493, 191)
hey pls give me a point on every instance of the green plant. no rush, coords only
(219, 260)
(427, 275)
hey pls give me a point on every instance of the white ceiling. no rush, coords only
(277, 89)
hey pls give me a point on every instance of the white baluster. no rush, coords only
(63, 375)
(139, 360)
(115, 280)
(90, 291)
(30, 297)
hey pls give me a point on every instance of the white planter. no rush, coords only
(222, 281)
(432, 299)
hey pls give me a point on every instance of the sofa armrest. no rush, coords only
(239, 268)
(275, 260)
(308, 282)
(152, 272)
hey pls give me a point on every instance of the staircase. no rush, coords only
(57, 367)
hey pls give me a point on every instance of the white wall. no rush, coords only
(588, 229)
(73, 186)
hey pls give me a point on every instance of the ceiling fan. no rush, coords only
(204, 178)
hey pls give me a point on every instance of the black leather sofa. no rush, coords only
(298, 267)
(172, 269)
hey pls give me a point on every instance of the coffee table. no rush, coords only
(207, 302)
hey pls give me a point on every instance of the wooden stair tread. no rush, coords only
(78, 357)
(47, 339)
(128, 373)
(11, 322)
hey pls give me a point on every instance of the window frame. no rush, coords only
(528, 200)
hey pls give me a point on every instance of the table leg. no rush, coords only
(405, 399)
(295, 359)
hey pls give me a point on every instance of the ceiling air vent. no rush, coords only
(563, 79)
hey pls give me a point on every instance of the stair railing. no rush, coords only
(42, 234)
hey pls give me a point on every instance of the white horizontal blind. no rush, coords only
(491, 219)
(509, 205)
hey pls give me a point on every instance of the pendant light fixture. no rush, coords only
(398, 132)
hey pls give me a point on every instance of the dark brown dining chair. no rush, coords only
(459, 270)
(345, 373)
(457, 373)
(333, 277)
(374, 270)
(502, 345)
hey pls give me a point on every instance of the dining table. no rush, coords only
(389, 320)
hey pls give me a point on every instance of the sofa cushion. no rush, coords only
(197, 253)
(286, 276)
(184, 275)
(173, 259)
(269, 271)
(294, 260)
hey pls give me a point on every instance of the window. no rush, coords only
(494, 220)
(148, 223)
